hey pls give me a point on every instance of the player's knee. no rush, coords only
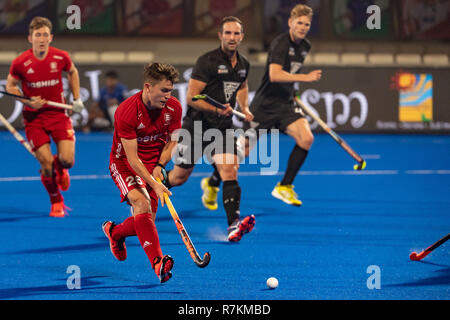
(305, 141)
(140, 205)
(67, 164)
(177, 178)
(229, 172)
(66, 161)
(308, 141)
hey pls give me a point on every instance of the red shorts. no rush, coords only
(39, 127)
(126, 180)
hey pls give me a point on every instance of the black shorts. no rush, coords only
(284, 116)
(195, 140)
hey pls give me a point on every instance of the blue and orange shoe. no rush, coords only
(62, 177)
(118, 248)
(239, 228)
(163, 267)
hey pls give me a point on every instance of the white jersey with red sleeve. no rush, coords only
(151, 128)
(42, 77)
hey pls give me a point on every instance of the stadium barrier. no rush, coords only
(382, 99)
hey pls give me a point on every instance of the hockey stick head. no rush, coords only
(413, 256)
(203, 263)
(209, 100)
(361, 166)
(199, 97)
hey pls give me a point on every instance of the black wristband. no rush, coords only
(160, 165)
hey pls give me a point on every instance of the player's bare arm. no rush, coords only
(242, 100)
(277, 74)
(131, 151)
(195, 88)
(12, 86)
(166, 155)
(74, 82)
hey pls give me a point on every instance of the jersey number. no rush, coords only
(131, 181)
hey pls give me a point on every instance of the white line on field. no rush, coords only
(258, 173)
(371, 156)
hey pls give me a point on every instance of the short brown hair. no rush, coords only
(155, 72)
(301, 10)
(230, 19)
(39, 22)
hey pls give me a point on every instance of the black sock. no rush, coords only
(231, 200)
(296, 160)
(215, 179)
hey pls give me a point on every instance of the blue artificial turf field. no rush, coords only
(349, 221)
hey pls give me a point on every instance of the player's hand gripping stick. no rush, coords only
(217, 104)
(77, 107)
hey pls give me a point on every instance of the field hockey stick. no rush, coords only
(217, 104)
(202, 263)
(50, 103)
(361, 162)
(414, 256)
(17, 135)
